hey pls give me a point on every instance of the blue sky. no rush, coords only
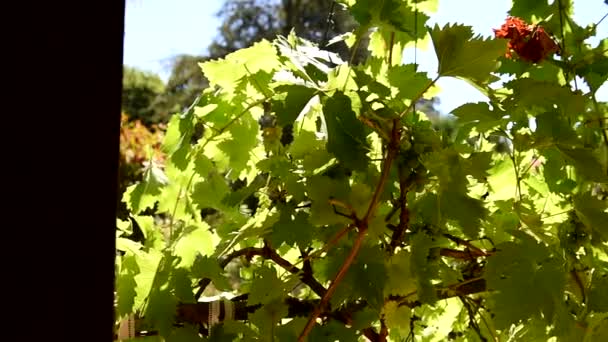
(156, 30)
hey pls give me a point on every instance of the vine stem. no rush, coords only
(362, 224)
(600, 21)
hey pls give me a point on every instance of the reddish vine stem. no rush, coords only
(270, 254)
(383, 331)
(475, 251)
(393, 148)
(403, 212)
(330, 243)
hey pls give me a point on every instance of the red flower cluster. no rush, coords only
(531, 42)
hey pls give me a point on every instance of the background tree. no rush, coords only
(245, 22)
(140, 91)
(184, 85)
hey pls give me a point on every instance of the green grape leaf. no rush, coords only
(208, 267)
(202, 165)
(529, 280)
(229, 71)
(320, 190)
(230, 331)
(423, 268)
(174, 199)
(595, 70)
(346, 135)
(235, 198)
(554, 171)
(399, 281)
(364, 318)
(177, 139)
(267, 317)
(409, 82)
(553, 126)
(304, 143)
(181, 284)
(592, 212)
(238, 147)
(147, 264)
(160, 311)
(291, 330)
(126, 285)
(478, 164)
(143, 195)
(530, 94)
(397, 15)
(463, 56)
(215, 115)
(293, 228)
(290, 102)
(128, 246)
(598, 296)
(467, 211)
(481, 115)
(393, 15)
(584, 160)
(185, 334)
(267, 287)
(332, 331)
(192, 242)
(528, 9)
(528, 213)
(210, 192)
(425, 209)
(397, 317)
(124, 226)
(598, 327)
(369, 276)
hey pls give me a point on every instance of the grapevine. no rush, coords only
(307, 198)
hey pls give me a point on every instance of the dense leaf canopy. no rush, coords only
(316, 195)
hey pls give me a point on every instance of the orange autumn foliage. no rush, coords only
(136, 140)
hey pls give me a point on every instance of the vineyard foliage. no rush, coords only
(298, 180)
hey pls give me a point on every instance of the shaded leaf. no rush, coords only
(346, 135)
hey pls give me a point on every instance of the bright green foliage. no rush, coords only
(529, 280)
(230, 71)
(461, 55)
(141, 196)
(487, 225)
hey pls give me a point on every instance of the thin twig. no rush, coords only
(330, 17)
(604, 17)
(270, 254)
